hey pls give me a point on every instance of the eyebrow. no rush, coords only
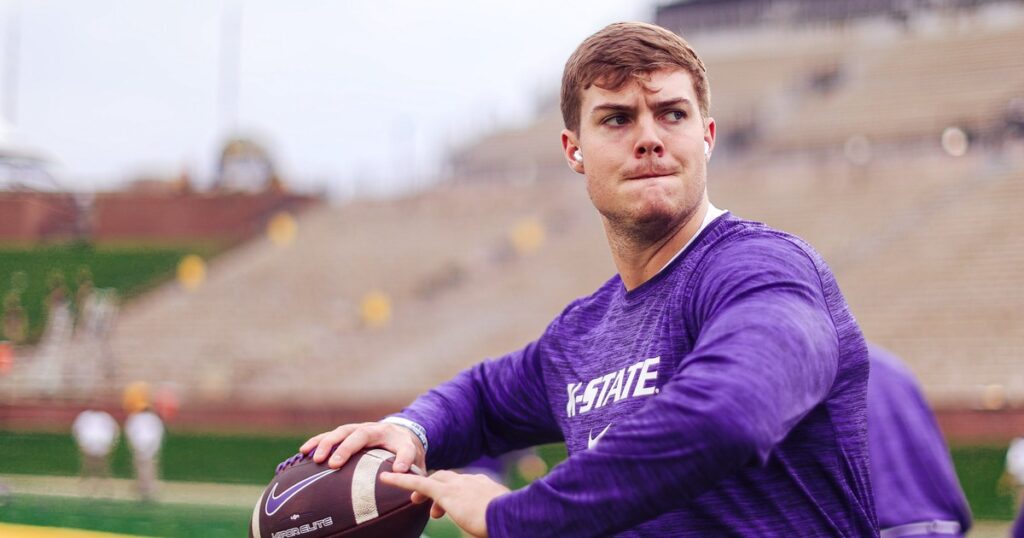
(616, 107)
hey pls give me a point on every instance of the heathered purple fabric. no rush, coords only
(911, 470)
(755, 424)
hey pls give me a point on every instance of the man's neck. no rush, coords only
(639, 262)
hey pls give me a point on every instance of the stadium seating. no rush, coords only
(923, 244)
(924, 249)
(268, 321)
(910, 87)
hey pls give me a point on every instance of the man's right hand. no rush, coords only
(355, 437)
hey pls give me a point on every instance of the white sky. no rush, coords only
(364, 91)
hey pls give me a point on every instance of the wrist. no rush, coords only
(418, 431)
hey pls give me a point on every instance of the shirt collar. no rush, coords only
(712, 214)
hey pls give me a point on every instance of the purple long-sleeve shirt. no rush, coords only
(911, 470)
(724, 396)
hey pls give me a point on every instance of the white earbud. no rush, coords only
(707, 149)
(578, 156)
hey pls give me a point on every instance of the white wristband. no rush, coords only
(415, 428)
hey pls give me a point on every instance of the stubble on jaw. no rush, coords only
(628, 239)
(632, 230)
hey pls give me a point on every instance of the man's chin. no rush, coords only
(646, 226)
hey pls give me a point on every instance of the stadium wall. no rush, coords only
(26, 217)
(128, 216)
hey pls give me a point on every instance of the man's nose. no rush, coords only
(648, 142)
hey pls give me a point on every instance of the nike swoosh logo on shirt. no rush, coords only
(275, 502)
(591, 440)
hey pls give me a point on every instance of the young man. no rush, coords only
(715, 386)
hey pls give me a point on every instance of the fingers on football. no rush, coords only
(329, 439)
(362, 436)
(311, 443)
(423, 488)
(412, 482)
(418, 498)
(405, 456)
(435, 511)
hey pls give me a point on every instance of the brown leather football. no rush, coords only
(312, 500)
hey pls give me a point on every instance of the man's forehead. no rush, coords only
(657, 85)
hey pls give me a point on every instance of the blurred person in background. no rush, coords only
(145, 433)
(917, 493)
(715, 386)
(1014, 478)
(58, 309)
(96, 434)
(52, 353)
(83, 293)
(15, 320)
(1015, 467)
(96, 313)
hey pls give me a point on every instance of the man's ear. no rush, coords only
(570, 145)
(709, 135)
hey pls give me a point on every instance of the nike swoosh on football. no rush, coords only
(275, 502)
(591, 441)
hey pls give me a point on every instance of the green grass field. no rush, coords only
(979, 469)
(147, 519)
(129, 269)
(251, 460)
(185, 457)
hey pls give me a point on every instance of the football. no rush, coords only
(312, 500)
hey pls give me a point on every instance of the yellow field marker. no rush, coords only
(191, 272)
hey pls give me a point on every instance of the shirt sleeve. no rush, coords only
(494, 407)
(766, 352)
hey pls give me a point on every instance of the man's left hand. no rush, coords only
(464, 497)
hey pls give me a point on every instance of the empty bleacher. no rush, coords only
(279, 324)
(925, 250)
(924, 244)
(910, 87)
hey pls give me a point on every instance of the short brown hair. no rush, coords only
(624, 51)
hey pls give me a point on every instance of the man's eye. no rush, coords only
(617, 119)
(676, 115)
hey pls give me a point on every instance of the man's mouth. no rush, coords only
(650, 174)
